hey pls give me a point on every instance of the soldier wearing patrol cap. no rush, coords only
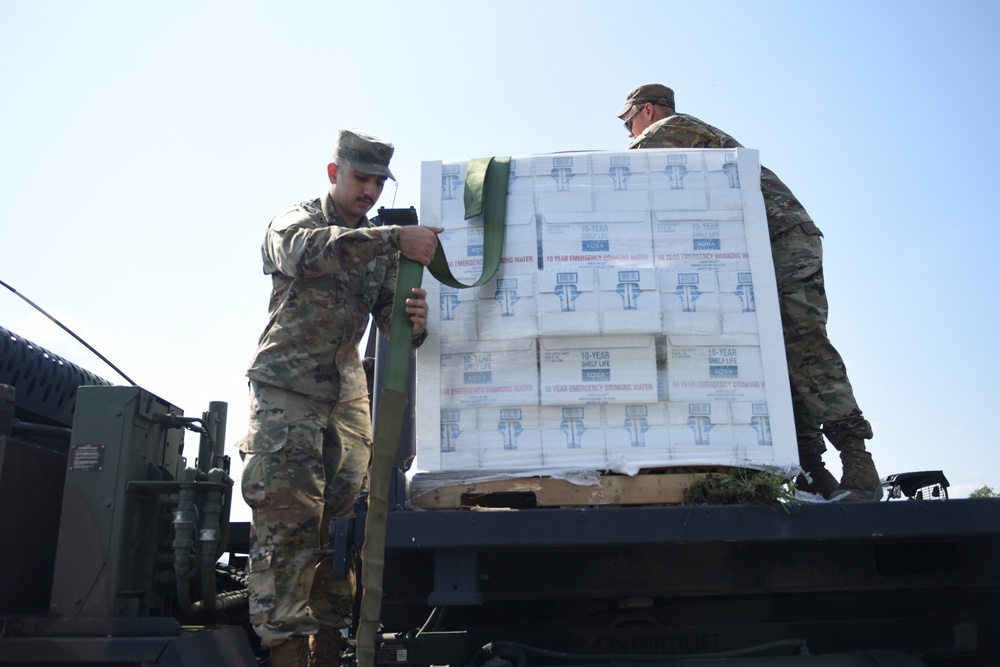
(823, 401)
(365, 152)
(308, 446)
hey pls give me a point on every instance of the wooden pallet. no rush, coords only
(528, 492)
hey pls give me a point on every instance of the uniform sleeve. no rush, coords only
(382, 312)
(296, 247)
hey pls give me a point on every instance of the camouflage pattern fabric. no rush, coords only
(308, 447)
(326, 279)
(822, 397)
(308, 460)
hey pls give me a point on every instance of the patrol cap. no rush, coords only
(365, 153)
(656, 93)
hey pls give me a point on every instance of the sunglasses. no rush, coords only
(628, 121)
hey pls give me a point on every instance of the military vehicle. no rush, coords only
(112, 541)
(118, 549)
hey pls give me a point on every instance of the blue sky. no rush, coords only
(145, 146)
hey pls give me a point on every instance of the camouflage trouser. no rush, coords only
(306, 462)
(822, 396)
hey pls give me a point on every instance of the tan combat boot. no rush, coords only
(293, 652)
(325, 647)
(819, 479)
(861, 480)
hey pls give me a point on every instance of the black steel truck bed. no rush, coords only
(919, 577)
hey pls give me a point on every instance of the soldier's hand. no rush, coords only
(419, 243)
(416, 306)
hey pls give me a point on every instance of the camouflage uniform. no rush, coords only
(822, 398)
(309, 443)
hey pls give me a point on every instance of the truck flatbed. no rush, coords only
(912, 576)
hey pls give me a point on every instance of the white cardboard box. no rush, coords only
(710, 242)
(630, 426)
(690, 302)
(500, 372)
(702, 424)
(581, 369)
(722, 178)
(708, 220)
(520, 181)
(629, 301)
(596, 240)
(621, 182)
(703, 369)
(751, 423)
(677, 181)
(573, 437)
(450, 198)
(563, 182)
(507, 307)
(457, 314)
(568, 303)
(511, 438)
(459, 447)
(459, 430)
(737, 302)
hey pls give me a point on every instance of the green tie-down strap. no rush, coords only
(486, 194)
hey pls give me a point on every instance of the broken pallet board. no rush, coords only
(527, 492)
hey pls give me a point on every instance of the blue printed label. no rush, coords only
(724, 371)
(596, 246)
(597, 375)
(479, 377)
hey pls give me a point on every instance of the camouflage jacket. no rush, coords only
(326, 280)
(682, 131)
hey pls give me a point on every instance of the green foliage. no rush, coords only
(740, 486)
(984, 492)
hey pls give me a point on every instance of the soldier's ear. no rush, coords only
(331, 171)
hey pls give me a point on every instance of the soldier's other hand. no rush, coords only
(416, 306)
(419, 243)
